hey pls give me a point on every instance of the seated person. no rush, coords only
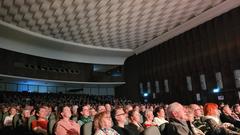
(228, 116)
(134, 126)
(178, 124)
(119, 118)
(149, 119)
(74, 116)
(84, 115)
(198, 118)
(104, 122)
(8, 121)
(65, 126)
(190, 119)
(159, 114)
(22, 122)
(236, 110)
(215, 125)
(41, 124)
(101, 108)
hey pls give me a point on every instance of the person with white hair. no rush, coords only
(74, 116)
(178, 124)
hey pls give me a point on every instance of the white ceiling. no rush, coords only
(115, 29)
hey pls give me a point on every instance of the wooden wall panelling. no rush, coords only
(231, 51)
(213, 48)
(229, 40)
(235, 29)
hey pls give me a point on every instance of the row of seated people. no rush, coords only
(136, 119)
(54, 99)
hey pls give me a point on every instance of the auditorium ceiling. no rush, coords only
(122, 27)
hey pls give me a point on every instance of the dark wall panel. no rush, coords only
(207, 49)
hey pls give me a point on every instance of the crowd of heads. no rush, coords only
(99, 115)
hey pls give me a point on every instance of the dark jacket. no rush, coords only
(133, 129)
(176, 127)
(120, 130)
(217, 129)
(229, 119)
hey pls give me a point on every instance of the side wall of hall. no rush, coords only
(209, 50)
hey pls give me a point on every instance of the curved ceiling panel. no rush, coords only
(101, 26)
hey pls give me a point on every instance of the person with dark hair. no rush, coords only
(40, 125)
(84, 115)
(134, 127)
(23, 119)
(236, 110)
(228, 116)
(108, 107)
(119, 119)
(8, 121)
(65, 126)
(159, 114)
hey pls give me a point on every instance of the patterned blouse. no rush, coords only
(106, 131)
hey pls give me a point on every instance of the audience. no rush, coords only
(228, 116)
(35, 113)
(212, 114)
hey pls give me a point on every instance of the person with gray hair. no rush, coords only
(178, 124)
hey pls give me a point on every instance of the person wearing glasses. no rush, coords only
(198, 121)
(103, 121)
(119, 119)
(134, 126)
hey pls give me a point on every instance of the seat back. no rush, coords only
(4, 116)
(51, 126)
(163, 128)
(15, 120)
(153, 130)
(87, 128)
(31, 118)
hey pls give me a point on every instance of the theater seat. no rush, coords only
(31, 118)
(4, 116)
(15, 120)
(87, 128)
(163, 128)
(153, 130)
(51, 126)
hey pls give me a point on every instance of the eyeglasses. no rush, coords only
(198, 109)
(121, 114)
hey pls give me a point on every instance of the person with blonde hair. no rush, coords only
(103, 123)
